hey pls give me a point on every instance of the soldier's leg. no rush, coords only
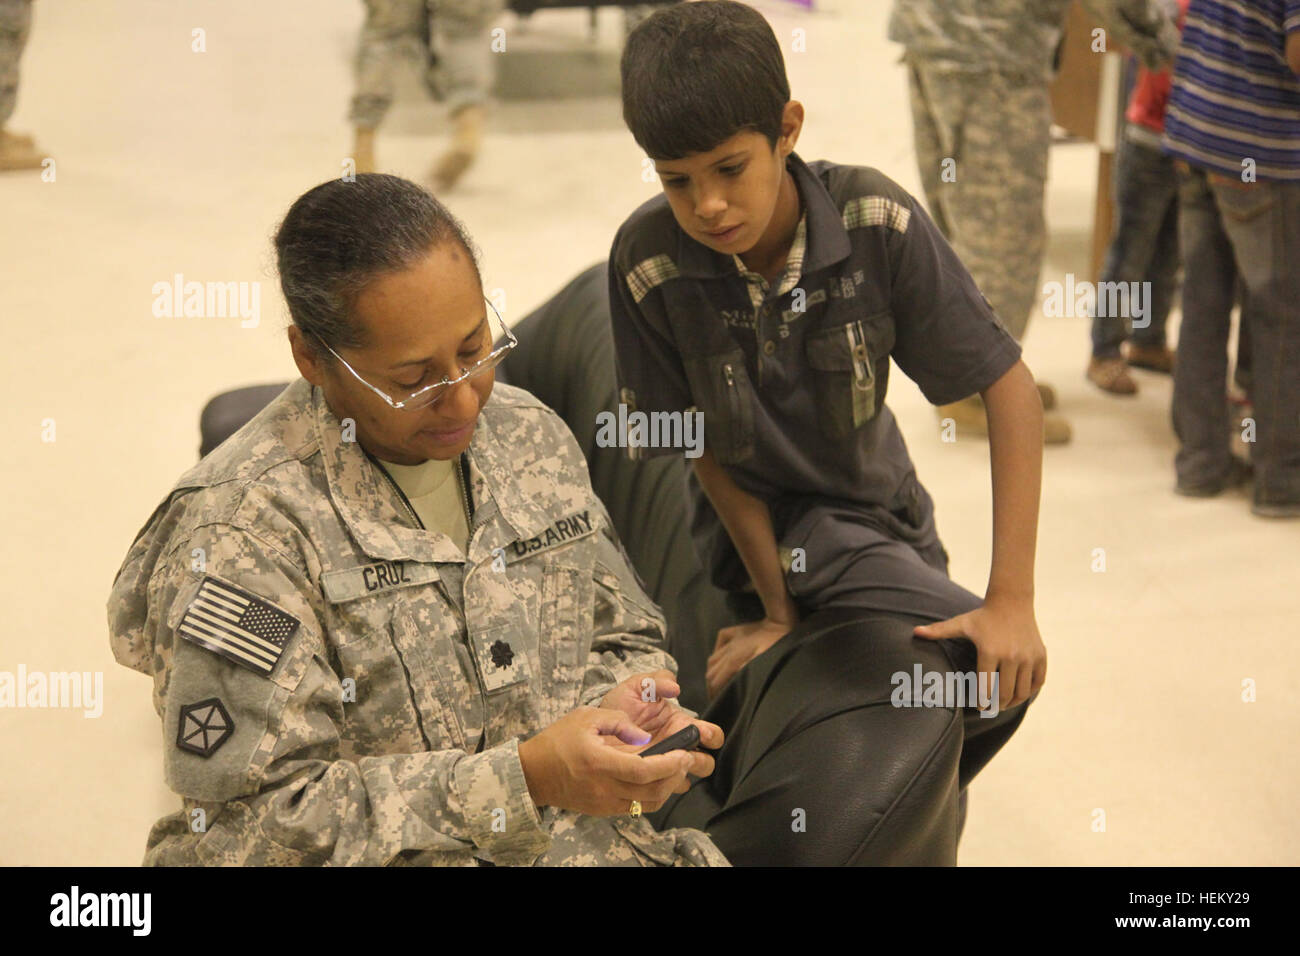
(933, 141)
(994, 207)
(16, 150)
(466, 70)
(390, 25)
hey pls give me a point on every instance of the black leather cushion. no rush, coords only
(566, 358)
(228, 412)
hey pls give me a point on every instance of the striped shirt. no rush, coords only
(1235, 103)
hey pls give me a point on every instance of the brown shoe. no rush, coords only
(1111, 375)
(465, 142)
(1047, 395)
(1151, 358)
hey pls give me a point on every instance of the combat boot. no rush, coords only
(971, 419)
(363, 149)
(18, 151)
(465, 141)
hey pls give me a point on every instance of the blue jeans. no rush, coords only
(1230, 230)
(1144, 247)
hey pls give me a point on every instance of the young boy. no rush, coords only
(769, 295)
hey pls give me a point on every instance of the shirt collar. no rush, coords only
(827, 239)
(377, 517)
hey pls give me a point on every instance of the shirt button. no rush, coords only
(769, 347)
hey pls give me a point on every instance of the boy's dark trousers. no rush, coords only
(1229, 229)
(1144, 247)
(821, 768)
(810, 723)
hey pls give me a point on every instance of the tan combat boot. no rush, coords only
(970, 418)
(363, 149)
(465, 141)
(18, 151)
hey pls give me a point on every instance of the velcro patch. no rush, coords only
(238, 625)
(576, 525)
(204, 726)
(347, 584)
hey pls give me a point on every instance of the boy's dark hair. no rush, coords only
(339, 236)
(695, 74)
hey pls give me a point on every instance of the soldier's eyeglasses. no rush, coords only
(502, 341)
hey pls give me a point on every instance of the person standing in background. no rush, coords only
(461, 75)
(17, 151)
(1233, 123)
(1144, 247)
(978, 74)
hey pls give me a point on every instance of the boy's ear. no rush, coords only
(791, 125)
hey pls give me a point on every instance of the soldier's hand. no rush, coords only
(579, 763)
(650, 700)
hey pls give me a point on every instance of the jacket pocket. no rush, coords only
(720, 384)
(844, 377)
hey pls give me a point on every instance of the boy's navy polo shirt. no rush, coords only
(793, 399)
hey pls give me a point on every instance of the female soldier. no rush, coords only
(388, 621)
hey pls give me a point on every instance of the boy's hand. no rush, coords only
(737, 646)
(650, 701)
(1006, 639)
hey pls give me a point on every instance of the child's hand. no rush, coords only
(737, 646)
(1006, 638)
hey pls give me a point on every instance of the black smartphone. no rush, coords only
(687, 739)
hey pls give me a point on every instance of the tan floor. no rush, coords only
(170, 161)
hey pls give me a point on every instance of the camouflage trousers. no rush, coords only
(981, 142)
(15, 25)
(462, 71)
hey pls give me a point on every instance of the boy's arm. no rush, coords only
(1003, 629)
(749, 525)
(1015, 414)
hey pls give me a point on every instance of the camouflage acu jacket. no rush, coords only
(339, 686)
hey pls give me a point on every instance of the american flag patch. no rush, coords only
(237, 625)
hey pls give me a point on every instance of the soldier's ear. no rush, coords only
(309, 362)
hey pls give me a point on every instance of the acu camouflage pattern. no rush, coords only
(15, 27)
(997, 129)
(1020, 36)
(462, 71)
(425, 761)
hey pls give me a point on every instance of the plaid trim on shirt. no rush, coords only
(758, 286)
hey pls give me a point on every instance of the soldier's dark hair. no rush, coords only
(339, 236)
(696, 74)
